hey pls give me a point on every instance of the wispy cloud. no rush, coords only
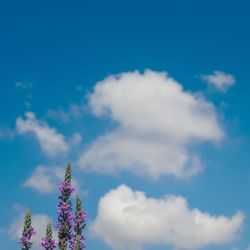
(23, 85)
(52, 143)
(76, 139)
(74, 111)
(79, 88)
(6, 132)
(157, 123)
(219, 80)
(27, 105)
(59, 115)
(166, 221)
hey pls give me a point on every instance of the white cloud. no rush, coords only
(39, 223)
(128, 219)
(157, 123)
(219, 80)
(45, 179)
(51, 142)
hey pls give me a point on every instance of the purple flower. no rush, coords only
(77, 242)
(48, 242)
(64, 213)
(28, 232)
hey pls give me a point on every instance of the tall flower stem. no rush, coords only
(78, 241)
(48, 242)
(65, 218)
(28, 232)
(79, 245)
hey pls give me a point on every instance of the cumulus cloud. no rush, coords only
(128, 219)
(45, 179)
(39, 222)
(219, 80)
(156, 124)
(52, 143)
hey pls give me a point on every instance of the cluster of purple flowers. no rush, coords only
(28, 232)
(65, 222)
(25, 240)
(80, 222)
(66, 187)
(48, 242)
(64, 214)
(78, 240)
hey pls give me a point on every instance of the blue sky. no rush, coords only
(150, 94)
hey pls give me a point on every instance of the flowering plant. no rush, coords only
(28, 232)
(65, 221)
(78, 240)
(65, 217)
(48, 242)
